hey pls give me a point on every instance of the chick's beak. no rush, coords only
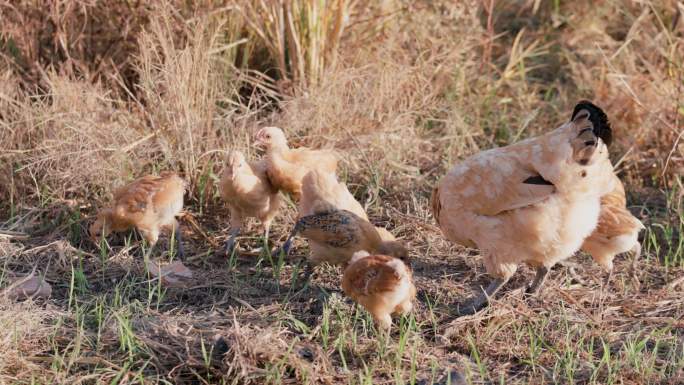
(259, 136)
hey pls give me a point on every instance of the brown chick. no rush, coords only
(247, 191)
(341, 233)
(532, 202)
(381, 284)
(286, 167)
(150, 204)
(617, 231)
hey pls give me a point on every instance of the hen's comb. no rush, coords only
(597, 118)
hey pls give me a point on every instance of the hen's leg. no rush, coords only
(475, 304)
(230, 243)
(383, 320)
(539, 279)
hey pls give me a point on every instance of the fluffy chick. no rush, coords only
(617, 231)
(532, 202)
(150, 204)
(321, 191)
(381, 284)
(247, 191)
(286, 167)
(336, 235)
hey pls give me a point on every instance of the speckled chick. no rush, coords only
(383, 285)
(338, 234)
(532, 202)
(286, 167)
(150, 204)
(247, 192)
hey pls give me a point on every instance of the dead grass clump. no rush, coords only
(632, 64)
(407, 91)
(24, 333)
(80, 134)
(221, 347)
(76, 136)
(92, 41)
(302, 37)
(190, 94)
(252, 352)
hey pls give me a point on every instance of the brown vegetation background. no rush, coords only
(96, 93)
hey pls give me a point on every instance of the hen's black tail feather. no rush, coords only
(597, 118)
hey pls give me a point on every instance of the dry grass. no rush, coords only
(403, 89)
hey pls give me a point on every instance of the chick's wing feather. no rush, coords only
(336, 228)
(138, 195)
(135, 196)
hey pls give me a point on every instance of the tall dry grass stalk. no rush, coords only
(90, 40)
(634, 65)
(301, 36)
(419, 82)
(79, 134)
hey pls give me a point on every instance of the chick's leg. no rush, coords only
(381, 315)
(476, 304)
(308, 272)
(539, 279)
(404, 307)
(235, 228)
(179, 240)
(636, 251)
(267, 227)
(151, 236)
(285, 248)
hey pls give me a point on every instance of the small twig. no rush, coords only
(14, 235)
(673, 285)
(193, 222)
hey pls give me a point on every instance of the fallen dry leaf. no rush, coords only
(174, 274)
(30, 286)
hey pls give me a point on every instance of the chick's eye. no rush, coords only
(268, 136)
